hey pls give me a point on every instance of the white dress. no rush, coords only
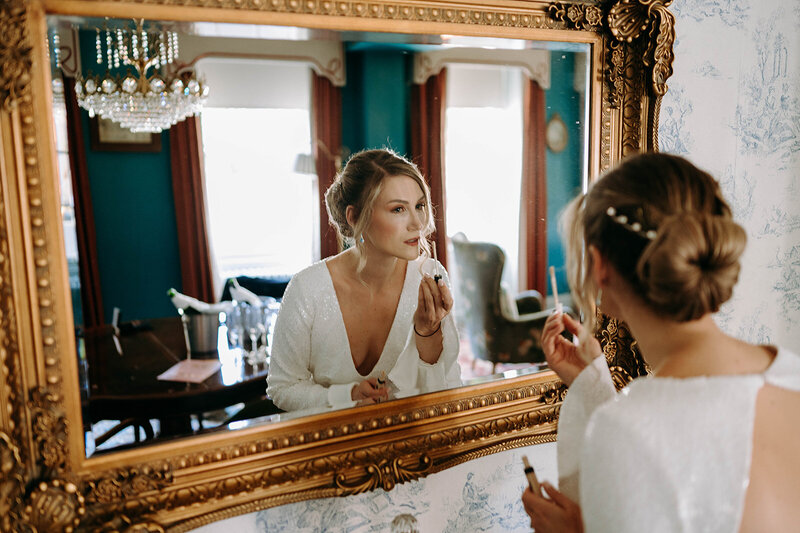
(665, 454)
(311, 365)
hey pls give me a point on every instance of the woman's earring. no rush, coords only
(361, 239)
(599, 300)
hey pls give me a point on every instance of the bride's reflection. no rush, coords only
(374, 321)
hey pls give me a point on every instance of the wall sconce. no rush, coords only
(306, 163)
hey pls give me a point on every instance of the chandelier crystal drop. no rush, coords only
(139, 101)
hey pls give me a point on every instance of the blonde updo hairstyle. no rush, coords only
(690, 265)
(359, 184)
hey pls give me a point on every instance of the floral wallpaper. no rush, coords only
(732, 108)
(734, 111)
(481, 495)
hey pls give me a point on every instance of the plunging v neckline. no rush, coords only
(392, 328)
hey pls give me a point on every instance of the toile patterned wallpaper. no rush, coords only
(733, 109)
(481, 495)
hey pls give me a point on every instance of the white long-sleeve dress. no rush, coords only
(311, 365)
(664, 454)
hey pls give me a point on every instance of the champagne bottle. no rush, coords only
(187, 304)
(240, 294)
(193, 306)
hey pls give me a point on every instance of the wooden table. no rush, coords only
(126, 386)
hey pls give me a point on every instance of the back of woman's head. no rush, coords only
(665, 227)
(359, 185)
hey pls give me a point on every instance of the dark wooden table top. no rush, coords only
(127, 385)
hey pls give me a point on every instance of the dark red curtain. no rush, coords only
(186, 155)
(427, 147)
(533, 211)
(91, 295)
(326, 128)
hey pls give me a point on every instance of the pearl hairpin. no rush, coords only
(635, 227)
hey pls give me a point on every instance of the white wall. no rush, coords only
(733, 109)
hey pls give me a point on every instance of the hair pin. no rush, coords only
(635, 227)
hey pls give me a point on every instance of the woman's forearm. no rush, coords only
(430, 347)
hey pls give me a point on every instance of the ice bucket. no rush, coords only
(202, 330)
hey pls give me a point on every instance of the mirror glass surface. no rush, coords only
(259, 116)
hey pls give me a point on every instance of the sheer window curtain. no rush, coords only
(427, 146)
(533, 211)
(89, 271)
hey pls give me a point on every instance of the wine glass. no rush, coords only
(256, 330)
(233, 322)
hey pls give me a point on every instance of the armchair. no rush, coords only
(498, 329)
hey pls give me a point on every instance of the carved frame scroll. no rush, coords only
(46, 483)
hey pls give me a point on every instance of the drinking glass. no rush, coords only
(256, 330)
(235, 325)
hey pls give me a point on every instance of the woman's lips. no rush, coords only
(412, 242)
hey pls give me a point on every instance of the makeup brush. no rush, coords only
(437, 275)
(553, 283)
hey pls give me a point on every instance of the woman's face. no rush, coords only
(398, 218)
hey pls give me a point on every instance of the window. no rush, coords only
(67, 201)
(262, 215)
(483, 157)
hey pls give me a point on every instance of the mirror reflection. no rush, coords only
(224, 207)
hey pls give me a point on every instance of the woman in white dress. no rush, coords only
(373, 321)
(709, 442)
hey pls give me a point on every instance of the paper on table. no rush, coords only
(191, 370)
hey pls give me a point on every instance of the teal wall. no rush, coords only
(376, 99)
(563, 168)
(134, 217)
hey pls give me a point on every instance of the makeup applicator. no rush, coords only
(436, 275)
(530, 473)
(553, 283)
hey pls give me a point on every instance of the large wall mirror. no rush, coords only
(256, 131)
(600, 70)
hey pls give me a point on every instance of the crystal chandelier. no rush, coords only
(138, 101)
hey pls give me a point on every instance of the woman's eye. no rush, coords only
(398, 209)
(420, 207)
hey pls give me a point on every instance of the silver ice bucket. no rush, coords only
(202, 330)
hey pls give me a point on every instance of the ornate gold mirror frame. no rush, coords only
(47, 484)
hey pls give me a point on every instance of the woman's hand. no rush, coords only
(568, 358)
(369, 391)
(434, 302)
(556, 514)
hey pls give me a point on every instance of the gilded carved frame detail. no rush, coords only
(43, 487)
